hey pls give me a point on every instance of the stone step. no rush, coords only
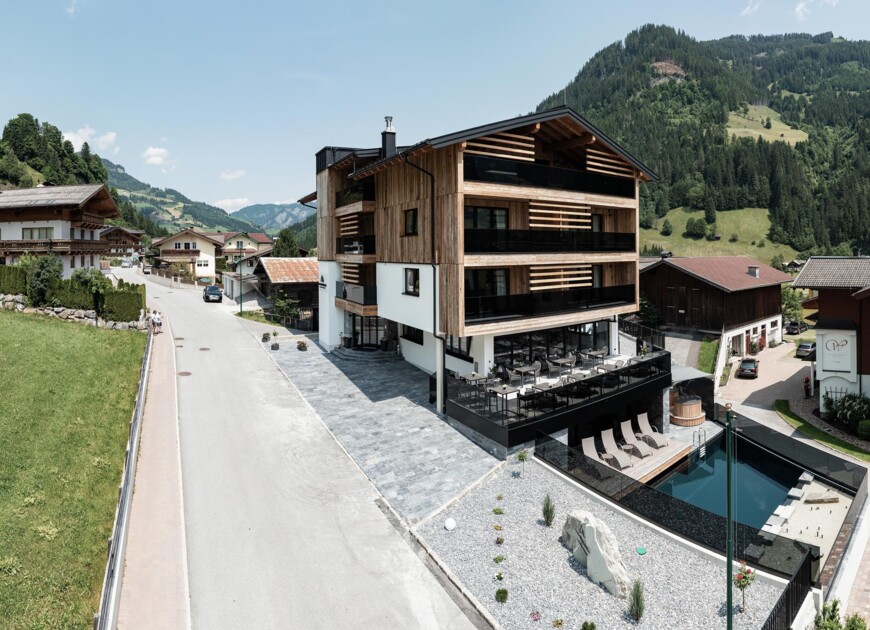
(368, 356)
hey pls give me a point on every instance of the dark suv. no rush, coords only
(795, 328)
(748, 368)
(212, 294)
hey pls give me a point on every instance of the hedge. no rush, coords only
(12, 280)
(70, 294)
(124, 305)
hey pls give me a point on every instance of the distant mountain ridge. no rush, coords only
(171, 209)
(274, 216)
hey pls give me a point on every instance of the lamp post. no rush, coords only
(729, 518)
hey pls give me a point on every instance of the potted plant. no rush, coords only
(266, 337)
(275, 345)
(743, 580)
(301, 345)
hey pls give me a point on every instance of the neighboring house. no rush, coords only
(62, 220)
(194, 251)
(122, 241)
(295, 278)
(238, 245)
(734, 296)
(842, 356)
(529, 246)
(795, 265)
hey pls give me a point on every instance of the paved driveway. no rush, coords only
(282, 528)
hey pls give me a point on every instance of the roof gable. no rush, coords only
(834, 272)
(187, 232)
(92, 197)
(727, 273)
(290, 270)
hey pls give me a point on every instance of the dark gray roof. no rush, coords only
(511, 123)
(48, 196)
(834, 272)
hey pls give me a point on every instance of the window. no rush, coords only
(486, 282)
(412, 334)
(72, 262)
(774, 324)
(483, 218)
(82, 260)
(92, 260)
(202, 262)
(250, 262)
(37, 233)
(240, 245)
(412, 281)
(411, 222)
(459, 346)
(178, 246)
(92, 235)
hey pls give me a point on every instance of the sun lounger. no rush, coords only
(649, 434)
(589, 449)
(642, 450)
(796, 493)
(612, 455)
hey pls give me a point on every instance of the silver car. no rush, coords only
(805, 349)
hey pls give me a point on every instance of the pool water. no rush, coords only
(761, 481)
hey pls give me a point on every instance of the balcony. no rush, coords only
(53, 246)
(573, 400)
(501, 171)
(367, 296)
(361, 191)
(360, 245)
(541, 241)
(543, 303)
(179, 255)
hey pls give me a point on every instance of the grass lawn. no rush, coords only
(254, 316)
(752, 126)
(750, 224)
(67, 394)
(707, 355)
(785, 412)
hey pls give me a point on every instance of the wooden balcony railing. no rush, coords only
(179, 253)
(55, 246)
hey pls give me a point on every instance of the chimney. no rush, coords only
(388, 139)
(753, 271)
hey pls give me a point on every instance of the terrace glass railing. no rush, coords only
(355, 245)
(539, 241)
(360, 191)
(543, 303)
(501, 171)
(356, 293)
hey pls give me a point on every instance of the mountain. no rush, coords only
(777, 122)
(274, 216)
(169, 208)
(305, 232)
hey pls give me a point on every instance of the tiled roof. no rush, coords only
(263, 252)
(257, 237)
(290, 270)
(834, 272)
(729, 273)
(206, 235)
(48, 196)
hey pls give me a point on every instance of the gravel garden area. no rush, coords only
(683, 589)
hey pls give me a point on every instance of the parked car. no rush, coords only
(146, 269)
(805, 349)
(212, 294)
(795, 328)
(748, 368)
(126, 264)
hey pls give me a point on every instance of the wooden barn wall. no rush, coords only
(751, 305)
(864, 337)
(838, 304)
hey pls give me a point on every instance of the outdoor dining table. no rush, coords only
(596, 355)
(503, 392)
(608, 367)
(473, 377)
(564, 362)
(525, 369)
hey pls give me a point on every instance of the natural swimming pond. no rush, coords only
(761, 481)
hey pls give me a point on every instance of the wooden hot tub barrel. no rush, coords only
(687, 411)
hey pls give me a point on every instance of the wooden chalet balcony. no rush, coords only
(546, 241)
(179, 255)
(87, 220)
(494, 308)
(53, 246)
(357, 299)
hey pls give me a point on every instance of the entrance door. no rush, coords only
(367, 331)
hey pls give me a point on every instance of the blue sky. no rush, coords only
(228, 101)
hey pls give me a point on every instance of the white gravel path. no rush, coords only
(685, 590)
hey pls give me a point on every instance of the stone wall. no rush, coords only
(88, 318)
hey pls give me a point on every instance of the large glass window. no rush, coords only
(484, 218)
(486, 282)
(411, 222)
(412, 334)
(459, 346)
(412, 281)
(29, 234)
(523, 348)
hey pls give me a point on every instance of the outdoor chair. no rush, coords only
(612, 454)
(537, 372)
(513, 376)
(585, 367)
(589, 449)
(649, 434)
(553, 369)
(641, 449)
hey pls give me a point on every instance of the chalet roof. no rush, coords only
(130, 231)
(257, 237)
(290, 270)
(646, 261)
(504, 125)
(190, 231)
(308, 198)
(728, 273)
(60, 196)
(264, 252)
(834, 272)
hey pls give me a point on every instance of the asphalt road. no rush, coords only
(282, 528)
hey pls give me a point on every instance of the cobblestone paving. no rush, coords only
(380, 413)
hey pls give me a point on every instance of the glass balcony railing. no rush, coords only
(360, 191)
(355, 244)
(501, 171)
(543, 303)
(356, 293)
(536, 241)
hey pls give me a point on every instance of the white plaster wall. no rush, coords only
(411, 310)
(11, 230)
(331, 323)
(425, 357)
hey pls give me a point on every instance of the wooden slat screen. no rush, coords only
(552, 277)
(559, 216)
(350, 272)
(348, 226)
(503, 145)
(600, 160)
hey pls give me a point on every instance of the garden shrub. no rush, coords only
(71, 294)
(864, 429)
(124, 305)
(501, 595)
(636, 601)
(12, 279)
(549, 510)
(43, 275)
(850, 410)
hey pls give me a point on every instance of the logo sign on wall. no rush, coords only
(837, 355)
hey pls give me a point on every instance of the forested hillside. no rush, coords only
(670, 99)
(306, 232)
(274, 216)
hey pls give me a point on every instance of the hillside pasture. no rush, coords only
(750, 224)
(752, 126)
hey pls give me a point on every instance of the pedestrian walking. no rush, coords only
(156, 321)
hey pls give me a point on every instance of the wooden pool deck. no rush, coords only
(649, 467)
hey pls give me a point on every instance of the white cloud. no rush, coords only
(80, 136)
(833, 3)
(73, 7)
(751, 7)
(231, 205)
(156, 155)
(116, 150)
(106, 140)
(229, 175)
(802, 9)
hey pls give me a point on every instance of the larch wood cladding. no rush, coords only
(557, 277)
(509, 191)
(600, 159)
(559, 216)
(327, 184)
(511, 146)
(348, 225)
(350, 273)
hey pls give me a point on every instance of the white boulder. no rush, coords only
(594, 546)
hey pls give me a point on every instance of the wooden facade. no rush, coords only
(688, 302)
